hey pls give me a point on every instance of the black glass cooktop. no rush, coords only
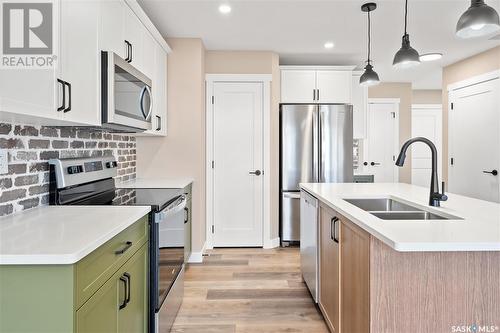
(157, 198)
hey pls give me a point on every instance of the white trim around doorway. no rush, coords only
(265, 79)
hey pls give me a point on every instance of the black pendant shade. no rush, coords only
(369, 77)
(478, 21)
(407, 56)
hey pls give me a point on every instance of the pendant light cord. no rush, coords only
(369, 37)
(406, 15)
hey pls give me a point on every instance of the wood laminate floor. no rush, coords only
(248, 291)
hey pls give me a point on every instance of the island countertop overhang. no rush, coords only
(477, 230)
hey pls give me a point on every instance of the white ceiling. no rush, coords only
(297, 30)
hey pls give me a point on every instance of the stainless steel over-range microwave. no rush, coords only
(126, 98)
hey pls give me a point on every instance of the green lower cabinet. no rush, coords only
(80, 298)
(120, 305)
(187, 224)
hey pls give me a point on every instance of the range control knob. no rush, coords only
(111, 164)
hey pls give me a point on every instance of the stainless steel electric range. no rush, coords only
(89, 181)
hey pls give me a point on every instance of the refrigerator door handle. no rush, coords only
(321, 123)
(315, 148)
(292, 195)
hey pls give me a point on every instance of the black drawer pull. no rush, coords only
(125, 248)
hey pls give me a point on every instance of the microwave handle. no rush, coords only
(150, 102)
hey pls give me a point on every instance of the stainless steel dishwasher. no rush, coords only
(309, 207)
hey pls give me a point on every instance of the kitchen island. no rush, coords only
(404, 266)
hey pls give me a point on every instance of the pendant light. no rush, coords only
(369, 77)
(407, 56)
(477, 21)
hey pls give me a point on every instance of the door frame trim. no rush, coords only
(265, 79)
(473, 81)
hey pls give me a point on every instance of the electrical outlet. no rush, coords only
(4, 162)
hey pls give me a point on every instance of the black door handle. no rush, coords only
(158, 127)
(69, 97)
(333, 229)
(125, 283)
(374, 163)
(493, 172)
(365, 163)
(129, 283)
(256, 172)
(63, 105)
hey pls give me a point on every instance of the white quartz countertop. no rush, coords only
(479, 229)
(58, 235)
(156, 183)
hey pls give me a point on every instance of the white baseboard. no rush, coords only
(272, 243)
(197, 257)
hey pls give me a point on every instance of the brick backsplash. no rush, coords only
(30, 147)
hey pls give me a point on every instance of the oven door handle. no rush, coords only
(172, 209)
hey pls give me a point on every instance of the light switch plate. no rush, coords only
(4, 162)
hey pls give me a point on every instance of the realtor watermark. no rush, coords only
(475, 328)
(27, 35)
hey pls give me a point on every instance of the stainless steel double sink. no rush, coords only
(391, 209)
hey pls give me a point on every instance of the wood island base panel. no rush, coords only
(433, 291)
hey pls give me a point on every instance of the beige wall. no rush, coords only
(478, 64)
(402, 91)
(256, 62)
(434, 96)
(182, 152)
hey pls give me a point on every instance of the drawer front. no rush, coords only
(96, 268)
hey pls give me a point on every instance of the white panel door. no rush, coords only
(297, 86)
(475, 141)
(238, 151)
(425, 122)
(111, 36)
(381, 145)
(334, 86)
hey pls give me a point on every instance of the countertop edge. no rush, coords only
(407, 246)
(71, 258)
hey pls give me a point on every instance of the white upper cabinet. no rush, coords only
(69, 93)
(333, 86)
(111, 27)
(316, 85)
(360, 106)
(79, 61)
(298, 86)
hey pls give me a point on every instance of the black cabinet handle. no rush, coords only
(129, 284)
(333, 229)
(63, 105)
(69, 97)
(125, 283)
(186, 215)
(317, 94)
(131, 53)
(158, 127)
(374, 163)
(492, 172)
(128, 58)
(128, 245)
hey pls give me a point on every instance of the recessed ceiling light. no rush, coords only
(225, 9)
(431, 56)
(329, 45)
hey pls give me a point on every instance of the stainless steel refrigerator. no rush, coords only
(316, 147)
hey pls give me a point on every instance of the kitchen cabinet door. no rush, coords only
(111, 27)
(297, 86)
(100, 312)
(79, 61)
(329, 270)
(355, 277)
(359, 106)
(334, 86)
(133, 317)
(160, 92)
(187, 230)
(133, 32)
